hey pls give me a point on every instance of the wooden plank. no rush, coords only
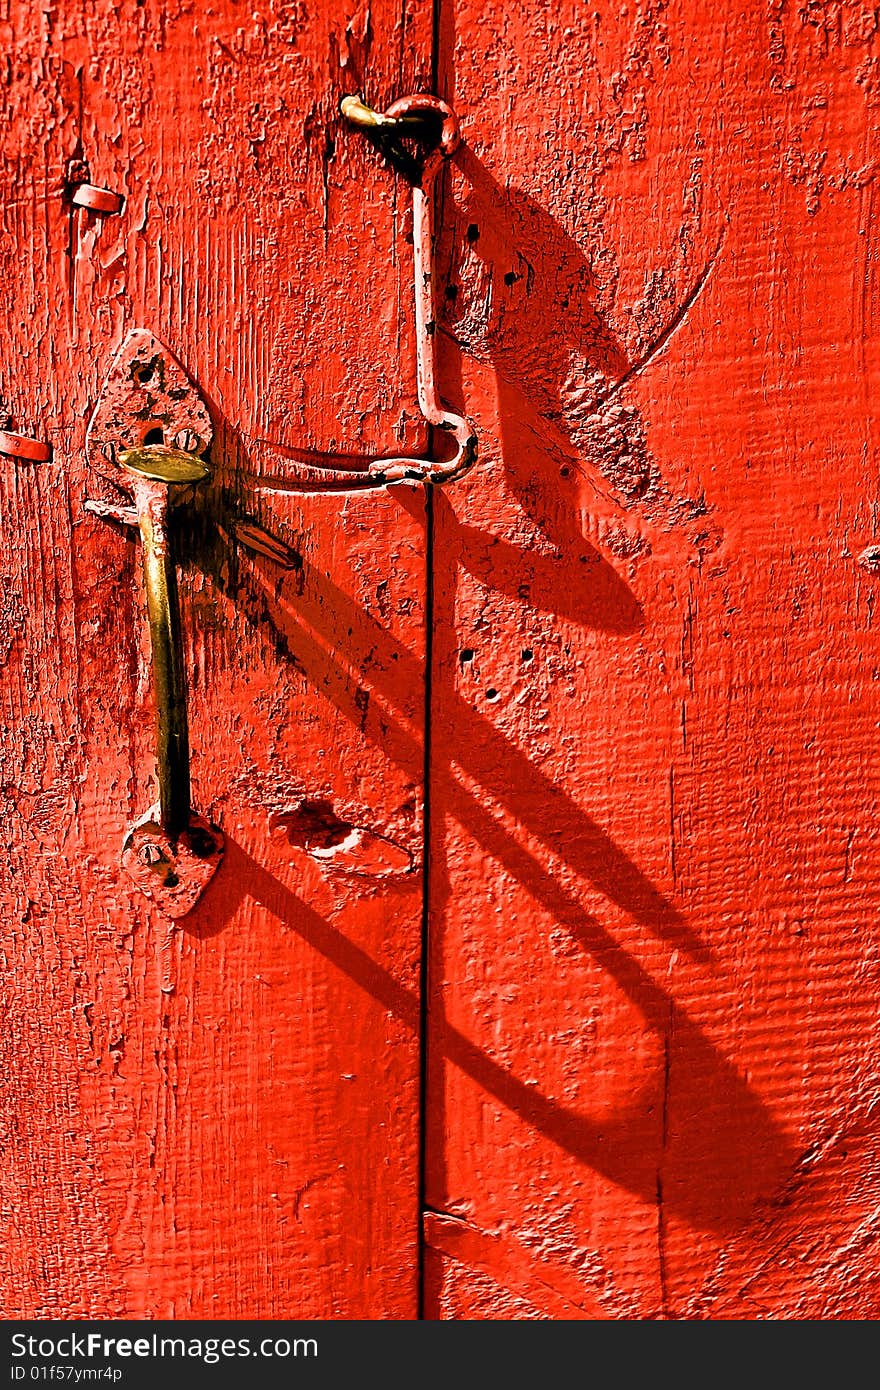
(654, 851)
(220, 1120)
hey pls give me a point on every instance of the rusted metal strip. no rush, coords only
(171, 852)
(21, 446)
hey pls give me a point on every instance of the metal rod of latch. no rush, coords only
(146, 439)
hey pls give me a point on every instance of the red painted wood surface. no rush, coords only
(246, 1145)
(654, 890)
(650, 1018)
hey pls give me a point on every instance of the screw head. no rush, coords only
(150, 854)
(187, 440)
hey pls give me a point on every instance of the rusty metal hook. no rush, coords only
(146, 438)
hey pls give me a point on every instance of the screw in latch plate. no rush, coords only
(188, 440)
(150, 855)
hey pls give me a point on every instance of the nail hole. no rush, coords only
(466, 654)
(144, 373)
(473, 233)
(154, 436)
(312, 825)
(451, 291)
(527, 654)
(511, 277)
(491, 693)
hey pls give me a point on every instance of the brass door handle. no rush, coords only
(146, 438)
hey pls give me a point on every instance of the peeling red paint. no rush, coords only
(648, 616)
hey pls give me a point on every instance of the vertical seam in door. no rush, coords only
(424, 960)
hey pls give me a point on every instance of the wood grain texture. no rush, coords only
(653, 1045)
(221, 1120)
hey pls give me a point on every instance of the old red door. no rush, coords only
(639, 1078)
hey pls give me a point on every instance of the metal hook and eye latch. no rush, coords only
(147, 399)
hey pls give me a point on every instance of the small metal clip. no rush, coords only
(82, 193)
(20, 446)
